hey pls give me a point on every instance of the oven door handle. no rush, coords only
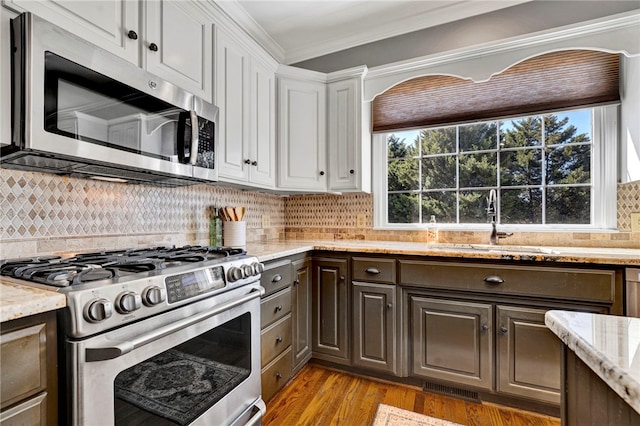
(119, 349)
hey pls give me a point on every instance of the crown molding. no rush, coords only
(615, 34)
(240, 16)
(450, 12)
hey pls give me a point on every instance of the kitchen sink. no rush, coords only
(496, 248)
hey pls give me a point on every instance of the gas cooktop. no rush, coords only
(104, 265)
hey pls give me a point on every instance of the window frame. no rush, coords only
(604, 177)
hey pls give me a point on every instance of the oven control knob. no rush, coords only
(98, 310)
(235, 274)
(258, 268)
(153, 295)
(247, 270)
(128, 302)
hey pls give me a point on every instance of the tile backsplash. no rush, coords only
(43, 214)
(335, 217)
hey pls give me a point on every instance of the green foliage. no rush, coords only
(422, 173)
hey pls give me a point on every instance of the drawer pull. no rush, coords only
(373, 271)
(276, 278)
(278, 376)
(503, 330)
(493, 279)
(279, 339)
(296, 282)
(278, 308)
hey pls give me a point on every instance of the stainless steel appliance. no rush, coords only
(80, 110)
(156, 336)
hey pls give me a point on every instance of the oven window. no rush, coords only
(178, 385)
(88, 106)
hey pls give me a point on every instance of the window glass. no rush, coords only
(540, 167)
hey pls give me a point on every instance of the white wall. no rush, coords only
(630, 120)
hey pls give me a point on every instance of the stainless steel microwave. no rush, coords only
(82, 111)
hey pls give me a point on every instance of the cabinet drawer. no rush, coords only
(275, 339)
(551, 282)
(275, 307)
(24, 363)
(276, 375)
(370, 269)
(33, 411)
(276, 276)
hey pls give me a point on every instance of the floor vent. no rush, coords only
(451, 391)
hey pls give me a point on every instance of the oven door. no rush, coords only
(197, 365)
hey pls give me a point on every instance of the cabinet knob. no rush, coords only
(254, 163)
(493, 279)
(341, 277)
(296, 282)
(279, 339)
(132, 35)
(321, 173)
(247, 161)
(278, 376)
(352, 171)
(389, 305)
(503, 329)
(485, 327)
(153, 47)
(278, 308)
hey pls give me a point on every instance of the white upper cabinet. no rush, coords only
(349, 139)
(178, 45)
(302, 143)
(245, 94)
(105, 23)
(170, 39)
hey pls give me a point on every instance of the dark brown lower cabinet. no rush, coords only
(331, 325)
(374, 325)
(452, 340)
(529, 354)
(588, 401)
(301, 312)
(29, 379)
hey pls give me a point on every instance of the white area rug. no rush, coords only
(393, 416)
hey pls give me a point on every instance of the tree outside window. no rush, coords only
(540, 166)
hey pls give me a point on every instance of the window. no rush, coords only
(549, 171)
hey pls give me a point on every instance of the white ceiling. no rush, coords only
(294, 31)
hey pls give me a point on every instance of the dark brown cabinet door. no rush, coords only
(452, 340)
(331, 310)
(529, 354)
(374, 324)
(301, 311)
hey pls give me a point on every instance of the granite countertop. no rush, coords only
(17, 301)
(605, 256)
(609, 345)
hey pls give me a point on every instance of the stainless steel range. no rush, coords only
(162, 335)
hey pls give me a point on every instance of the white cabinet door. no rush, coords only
(302, 135)
(262, 152)
(232, 97)
(178, 45)
(349, 138)
(105, 23)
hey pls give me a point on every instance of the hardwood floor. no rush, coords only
(321, 396)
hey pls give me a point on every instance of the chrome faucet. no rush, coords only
(491, 214)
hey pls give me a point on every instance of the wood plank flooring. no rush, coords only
(321, 396)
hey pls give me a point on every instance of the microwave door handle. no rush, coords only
(122, 348)
(195, 138)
